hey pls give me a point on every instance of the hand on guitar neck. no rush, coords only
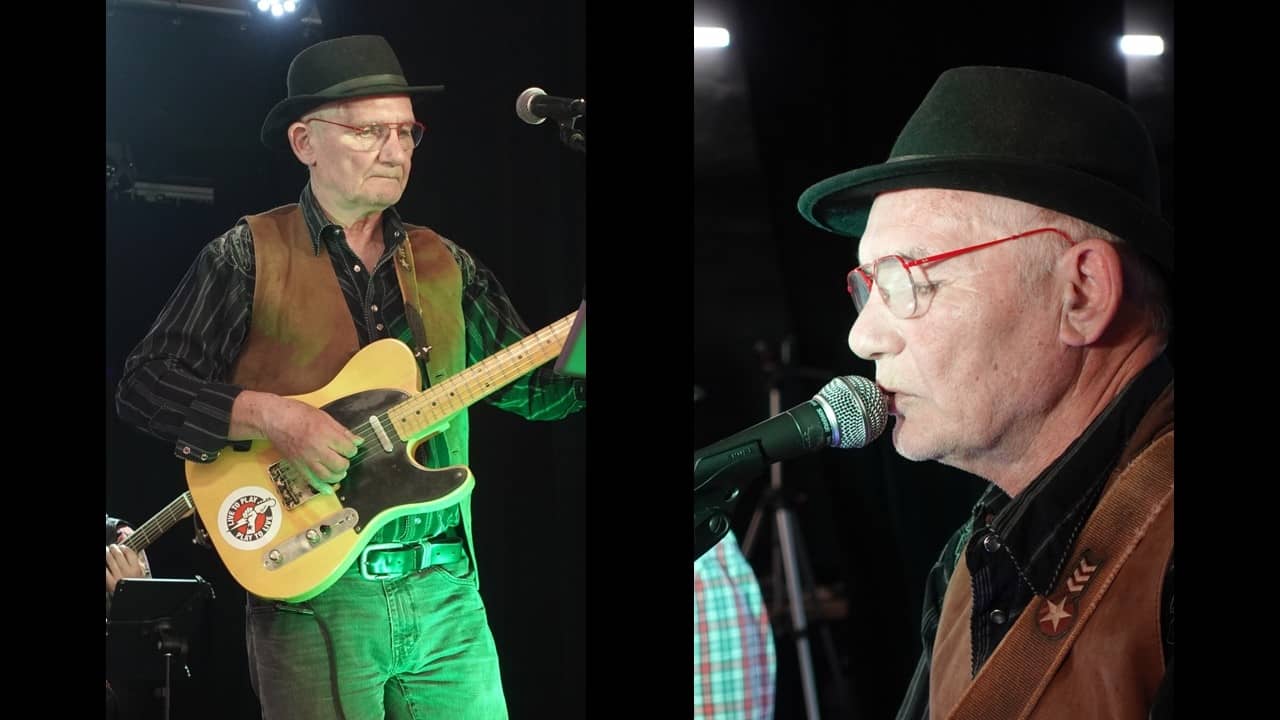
(124, 562)
(125, 558)
(309, 438)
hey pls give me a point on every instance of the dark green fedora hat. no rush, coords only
(345, 68)
(1032, 136)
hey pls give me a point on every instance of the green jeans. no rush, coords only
(414, 647)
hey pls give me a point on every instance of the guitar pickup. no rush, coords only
(310, 539)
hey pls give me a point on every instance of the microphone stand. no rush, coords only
(797, 572)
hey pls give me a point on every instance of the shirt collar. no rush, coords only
(1039, 526)
(323, 230)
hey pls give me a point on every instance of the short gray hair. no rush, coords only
(1145, 285)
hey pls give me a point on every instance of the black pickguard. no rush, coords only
(380, 480)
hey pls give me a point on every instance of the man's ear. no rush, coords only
(1091, 281)
(300, 141)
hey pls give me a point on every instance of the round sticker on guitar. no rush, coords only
(249, 518)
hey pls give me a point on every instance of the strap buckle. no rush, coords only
(385, 574)
(388, 561)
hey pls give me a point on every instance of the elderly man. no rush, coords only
(1012, 291)
(275, 307)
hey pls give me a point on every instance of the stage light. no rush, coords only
(1142, 45)
(277, 8)
(710, 37)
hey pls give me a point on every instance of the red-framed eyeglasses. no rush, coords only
(373, 135)
(899, 287)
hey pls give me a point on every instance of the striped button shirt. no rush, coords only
(175, 384)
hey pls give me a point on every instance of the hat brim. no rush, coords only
(290, 109)
(841, 204)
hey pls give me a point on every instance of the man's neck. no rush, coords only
(361, 225)
(1102, 376)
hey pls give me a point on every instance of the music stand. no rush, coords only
(573, 357)
(153, 615)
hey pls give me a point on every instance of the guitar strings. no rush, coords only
(501, 361)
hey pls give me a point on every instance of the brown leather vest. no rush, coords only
(301, 332)
(1116, 663)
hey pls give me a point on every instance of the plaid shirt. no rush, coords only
(733, 658)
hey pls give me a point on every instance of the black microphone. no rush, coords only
(533, 106)
(849, 412)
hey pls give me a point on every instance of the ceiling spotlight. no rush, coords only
(1142, 45)
(276, 7)
(710, 37)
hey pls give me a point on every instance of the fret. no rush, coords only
(414, 416)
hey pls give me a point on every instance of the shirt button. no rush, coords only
(356, 268)
(997, 617)
(379, 326)
(991, 542)
(373, 308)
(186, 451)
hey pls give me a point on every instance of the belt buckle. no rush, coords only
(364, 559)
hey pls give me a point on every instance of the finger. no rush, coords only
(347, 447)
(320, 486)
(113, 560)
(318, 480)
(335, 465)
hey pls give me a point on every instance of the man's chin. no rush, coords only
(909, 447)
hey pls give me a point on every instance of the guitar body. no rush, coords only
(282, 540)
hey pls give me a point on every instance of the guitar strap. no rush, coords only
(409, 291)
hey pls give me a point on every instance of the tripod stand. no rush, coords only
(789, 554)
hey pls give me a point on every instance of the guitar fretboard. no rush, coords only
(415, 415)
(160, 523)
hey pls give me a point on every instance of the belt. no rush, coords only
(388, 561)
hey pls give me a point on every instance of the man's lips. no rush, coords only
(890, 399)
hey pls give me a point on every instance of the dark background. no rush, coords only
(802, 94)
(584, 571)
(186, 92)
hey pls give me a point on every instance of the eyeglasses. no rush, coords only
(900, 287)
(372, 136)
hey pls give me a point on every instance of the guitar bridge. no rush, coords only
(309, 539)
(285, 479)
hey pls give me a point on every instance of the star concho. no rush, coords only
(1057, 612)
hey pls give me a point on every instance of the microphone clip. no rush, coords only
(572, 137)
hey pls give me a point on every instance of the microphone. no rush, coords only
(534, 106)
(849, 412)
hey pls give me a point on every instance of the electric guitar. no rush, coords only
(283, 540)
(159, 524)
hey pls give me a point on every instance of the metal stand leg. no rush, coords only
(788, 560)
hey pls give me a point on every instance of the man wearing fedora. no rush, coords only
(1012, 289)
(275, 307)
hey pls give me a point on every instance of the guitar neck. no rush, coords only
(160, 523)
(415, 415)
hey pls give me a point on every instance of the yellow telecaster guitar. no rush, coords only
(279, 538)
